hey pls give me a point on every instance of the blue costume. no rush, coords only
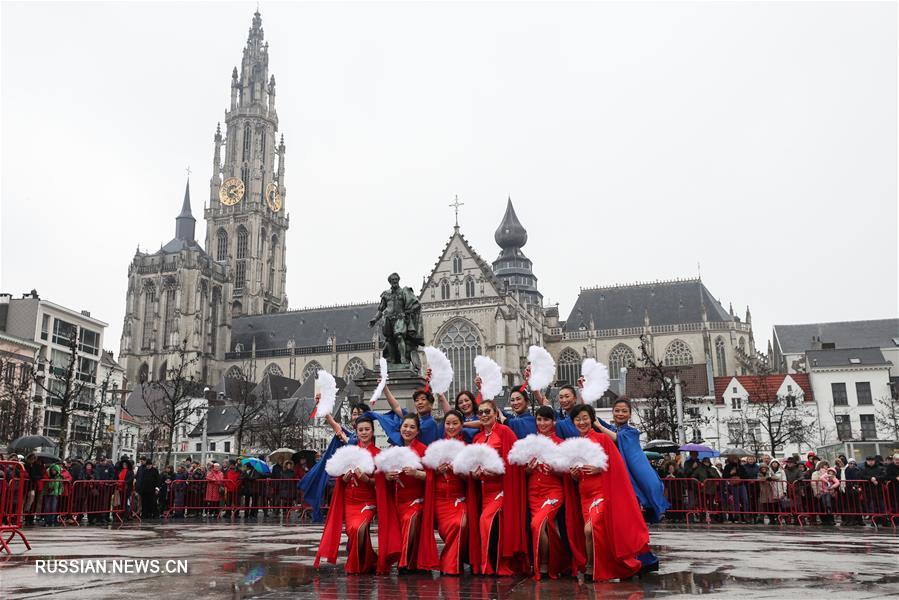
(468, 433)
(314, 483)
(565, 426)
(649, 488)
(390, 422)
(523, 425)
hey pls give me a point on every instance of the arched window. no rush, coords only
(243, 241)
(273, 369)
(247, 141)
(444, 290)
(310, 370)
(234, 372)
(143, 374)
(221, 245)
(460, 342)
(720, 357)
(678, 354)
(621, 357)
(457, 264)
(569, 366)
(271, 265)
(164, 371)
(149, 299)
(169, 316)
(262, 241)
(354, 369)
(469, 287)
(742, 344)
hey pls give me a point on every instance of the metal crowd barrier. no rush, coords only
(12, 502)
(217, 499)
(801, 502)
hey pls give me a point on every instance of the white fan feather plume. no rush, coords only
(491, 375)
(540, 447)
(543, 368)
(580, 452)
(328, 390)
(382, 363)
(441, 370)
(442, 452)
(596, 380)
(397, 458)
(349, 458)
(478, 455)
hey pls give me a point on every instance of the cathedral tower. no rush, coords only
(512, 267)
(246, 221)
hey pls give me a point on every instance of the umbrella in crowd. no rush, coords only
(695, 448)
(281, 454)
(47, 458)
(652, 455)
(735, 452)
(305, 457)
(661, 446)
(30, 442)
(257, 464)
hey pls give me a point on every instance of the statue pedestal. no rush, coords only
(402, 382)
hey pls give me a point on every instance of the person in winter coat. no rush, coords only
(874, 476)
(287, 491)
(53, 490)
(735, 497)
(772, 493)
(33, 487)
(824, 486)
(215, 488)
(148, 488)
(165, 499)
(232, 483)
(891, 482)
(125, 487)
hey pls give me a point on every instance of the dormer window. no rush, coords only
(457, 264)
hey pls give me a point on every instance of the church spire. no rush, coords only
(185, 223)
(510, 233)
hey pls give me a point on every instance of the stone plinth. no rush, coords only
(402, 383)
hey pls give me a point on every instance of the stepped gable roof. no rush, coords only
(305, 327)
(846, 357)
(666, 303)
(875, 333)
(763, 387)
(485, 268)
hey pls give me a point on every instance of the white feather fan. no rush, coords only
(478, 455)
(349, 458)
(543, 368)
(397, 458)
(537, 446)
(596, 380)
(442, 452)
(328, 391)
(491, 377)
(382, 363)
(580, 452)
(441, 370)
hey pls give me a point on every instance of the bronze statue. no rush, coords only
(400, 311)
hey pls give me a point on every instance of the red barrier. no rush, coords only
(12, 494)
(745, 499)
(852, 501)
(685, 498)
(188, 497)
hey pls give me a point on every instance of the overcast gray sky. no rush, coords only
(635, 139)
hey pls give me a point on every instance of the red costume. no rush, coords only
(445, 503)
(546, 496)
(503, 505)
(403, 502)
(353, 502)
(609, 504)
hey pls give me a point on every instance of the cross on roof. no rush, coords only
(188, 171)
(455, 205)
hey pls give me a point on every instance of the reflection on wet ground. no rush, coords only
(272, 562)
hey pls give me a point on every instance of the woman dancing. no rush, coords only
(353, 505)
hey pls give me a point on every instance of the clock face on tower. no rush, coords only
(232, 191)
(273, 197)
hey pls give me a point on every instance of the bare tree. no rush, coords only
(658, 414)
(67, 388)
(285, 422)
(782, 419)
(15, 396)
(168, 401)
(103, 399)
(246, 405)
(887, 416)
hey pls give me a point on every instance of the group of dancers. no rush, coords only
(542, 492)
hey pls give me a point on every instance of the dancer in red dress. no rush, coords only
(446, 506)
(613, 526)
(501, 526)
(405, 492)
(546, 497)
(353, 504)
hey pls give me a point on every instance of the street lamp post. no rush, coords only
(117, 423)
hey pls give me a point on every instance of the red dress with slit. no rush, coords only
(409, 494)
(546, 497)
(511, 553)
(609, 504)
(353, 505)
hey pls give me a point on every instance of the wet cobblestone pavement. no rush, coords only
(274, 562)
